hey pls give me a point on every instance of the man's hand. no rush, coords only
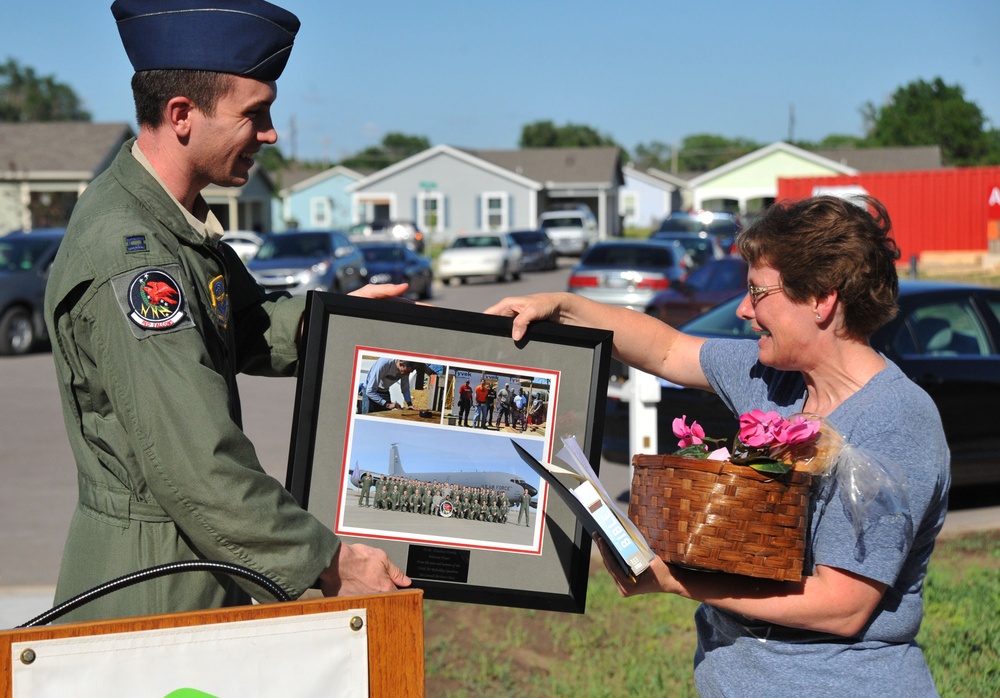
(361, 569)
(381, 291)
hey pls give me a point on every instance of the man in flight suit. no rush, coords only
(151, 318)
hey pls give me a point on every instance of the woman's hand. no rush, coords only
(657, 578)
(528, 309)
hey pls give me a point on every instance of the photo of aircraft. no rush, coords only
(510, 484)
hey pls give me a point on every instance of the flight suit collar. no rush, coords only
(205, 223)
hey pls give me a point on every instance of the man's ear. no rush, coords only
(179, 111)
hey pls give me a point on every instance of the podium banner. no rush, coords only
(324, 654)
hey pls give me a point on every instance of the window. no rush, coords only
(430, 211)
(630, 207)
(495, 211)
(320, 212)
(942, 329)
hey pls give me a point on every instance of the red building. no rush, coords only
(956, 209)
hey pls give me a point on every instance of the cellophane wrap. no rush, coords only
(870, 487)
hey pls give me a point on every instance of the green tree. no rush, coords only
(271, 159)
(545, 134)
(26, 96)
(931, 113)
(394, 147)
(704, 151)
(836, 141)
(993, 147)
(654, 154)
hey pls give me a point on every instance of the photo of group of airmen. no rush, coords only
(408, 495)
(498, 402)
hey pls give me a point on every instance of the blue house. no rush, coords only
(314, 200)
(648, 196)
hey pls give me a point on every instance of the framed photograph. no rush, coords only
(403, 438)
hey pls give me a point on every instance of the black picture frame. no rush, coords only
(451, 559)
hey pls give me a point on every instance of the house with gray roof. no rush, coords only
(314, 200)
(750, 183)
(448, 190)
(44, 168)
(243, 208)
(649, 196)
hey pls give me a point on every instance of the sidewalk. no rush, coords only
(20, 604)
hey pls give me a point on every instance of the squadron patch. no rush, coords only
(155, 300)
(220, 301)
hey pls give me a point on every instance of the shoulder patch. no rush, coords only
(220, 301)
(135, 243)
(155, 300)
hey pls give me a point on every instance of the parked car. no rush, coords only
(299, 262)
(480, 254)
(25, 259)
(720, 225)
(538, 251)
(946, 338)
(702, 289)
(699, 248)
(571, 230)
(404, 231)
(626, 272)
(395, 263)
(244, 242)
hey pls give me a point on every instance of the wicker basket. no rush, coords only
(714, 515)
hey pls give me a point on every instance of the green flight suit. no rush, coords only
(150, 323)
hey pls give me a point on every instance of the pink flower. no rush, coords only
(688, 435)
(797, 431)
(759, 429)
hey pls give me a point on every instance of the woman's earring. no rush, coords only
(818, 316)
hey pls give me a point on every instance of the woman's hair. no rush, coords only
(827, 244)
(152, 89)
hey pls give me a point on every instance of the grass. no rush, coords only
(644, 645)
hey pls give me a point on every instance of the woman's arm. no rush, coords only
(640, 340)
(830, 601)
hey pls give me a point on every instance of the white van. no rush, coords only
(572, 231)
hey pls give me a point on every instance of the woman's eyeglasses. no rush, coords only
(758, 292)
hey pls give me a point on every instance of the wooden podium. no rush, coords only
(395, 635)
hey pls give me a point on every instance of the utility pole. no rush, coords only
(791, 123)
(293, 138)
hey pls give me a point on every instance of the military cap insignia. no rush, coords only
(155, 300)
(220, 301)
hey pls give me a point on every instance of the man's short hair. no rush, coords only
(153, 89)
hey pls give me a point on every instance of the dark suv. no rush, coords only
(25, 259)
(382, 229)
(721, 226)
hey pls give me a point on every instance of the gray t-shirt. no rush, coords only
(895, 422)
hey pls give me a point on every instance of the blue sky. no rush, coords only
(471, 74)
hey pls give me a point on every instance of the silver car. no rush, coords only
(382, 230)
(627, 272)
(299, 262)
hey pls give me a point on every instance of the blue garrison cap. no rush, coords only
(252, 38)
